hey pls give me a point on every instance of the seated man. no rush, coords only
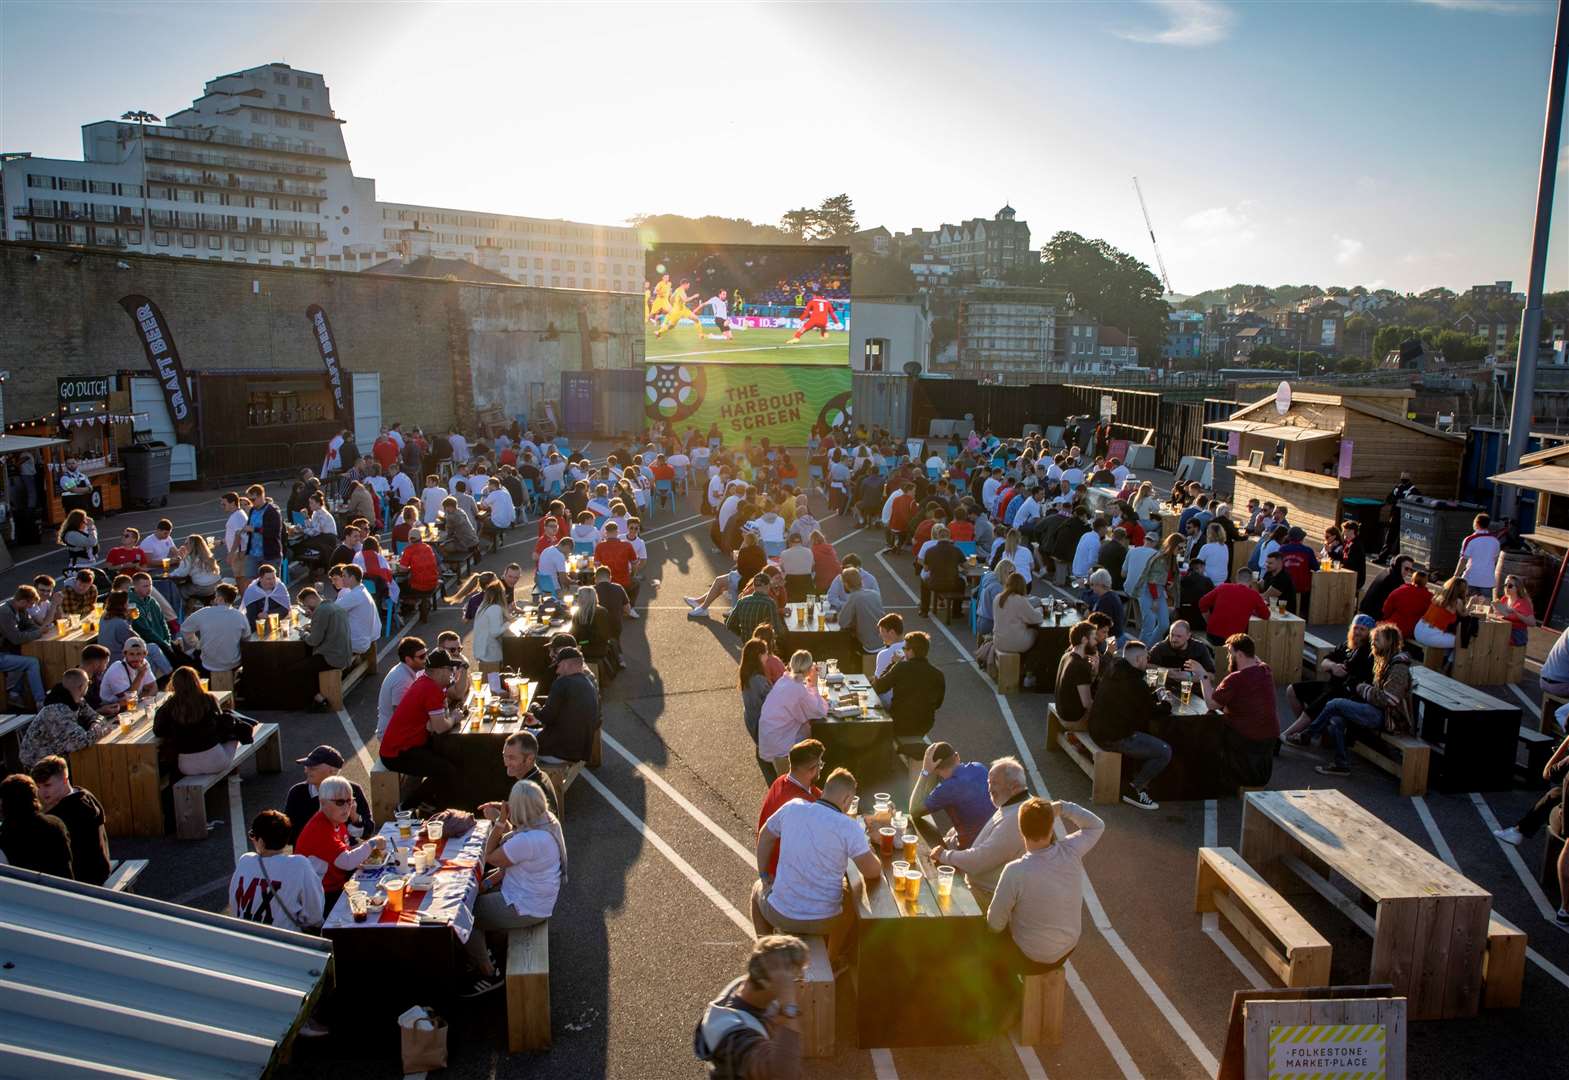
(80, 812)
(1040, 895)
(358, 605)
(1120, 720)
(131, 674)
(17, 628)
(407, 746)
(460, 541)
(503, 511)
(1077, 673)
(752, 1028)
(1246, 697)
(65, 724)
(520, 759)
(1181, 651)
(129, 551)
(324, 839)
(81, 596)
(569, 714)
(752, 609)
(998, 843)
(949, 783)
(798, 782)
(214, 633)
(304, 798)
(814, 841)
(327, 636)
(1275, 584)
(265, 595)
(916, 687)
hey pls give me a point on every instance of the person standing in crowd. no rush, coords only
(273, 887)
(1479, 558)
(81, 813)
(1403, 489)
(998, 843)
(1229, 606)
(948, 783)
(752, 1029)
(1039, 901)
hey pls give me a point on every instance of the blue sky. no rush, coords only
(1392, 144)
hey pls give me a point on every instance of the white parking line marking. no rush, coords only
(1439, 843)
(1033, 1069)
(1512, 856)
(1525, 699)
(238, 830)
(748, 857)
(1098, 916)
(1210, 921)
(882, 1065)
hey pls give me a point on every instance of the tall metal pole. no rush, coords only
(1531, 318)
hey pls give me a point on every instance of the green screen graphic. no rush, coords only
(779, 402)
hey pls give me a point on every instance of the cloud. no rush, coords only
(1489, 7)
(1347, 249)
(1189, 24)
(1220, 228)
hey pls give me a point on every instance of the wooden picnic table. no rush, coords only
(525, 643)
(274, 671)
(848, 739)
(1477, 731)
(926, 967)
(1431, 929)
(825, 640)
(122, 769)
(1482, 661)
(477, 743)
(1194, 733)
(1333, 600)
(57, 653)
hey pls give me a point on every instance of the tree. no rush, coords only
(1111, 285)
(799, 224)
(1389, 338)
(945, 331)
(1459, 349)
(835, 218)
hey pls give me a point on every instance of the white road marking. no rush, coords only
(702, 884)
(1098, 915)
(238, 830)
(748, 857)
(1033, 1069)
(1512, 856)
(201, 890)
(882, 1065)
(1209, 922)
(1440, 845)
(1108, 1034)
(1525, 699)
(357, 749)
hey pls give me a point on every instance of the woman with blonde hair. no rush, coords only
(79, 536)
(1436, 629)
(788, 711)
(198, 573)
(528, 852)
(490, 622)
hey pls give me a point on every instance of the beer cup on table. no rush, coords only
(394, 887)
(1187, 691)
(405, 825)
(912, 883)
(896, 877)
(944, 882)
(910, 842)
(881, 808)
(885, 837)
(61, 626)
(433, 830)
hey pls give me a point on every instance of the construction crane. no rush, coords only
(1160, 262)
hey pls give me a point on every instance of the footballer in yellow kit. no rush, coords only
(661, 304)
(679, 310)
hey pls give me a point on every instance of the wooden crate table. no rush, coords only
(476, 744)
(1430, 932)
(846, 739)
(273, 669)
(919, 963)
(122, 770)
(1334, 598)
(1279, 640)
(56, 653)
(1477, 731)
(1484, 660)
(824, 640)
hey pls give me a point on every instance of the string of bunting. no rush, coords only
(101, 418)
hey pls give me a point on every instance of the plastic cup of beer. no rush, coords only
(944, 882)
(206, 687)
(881, 809)
(60, 626)
(127, 719)
(1187, 691)
(430, 852)
(885, 837)
(394, 887)
(405, 828)
(433, 830)
(910, 841)
(359, 904)
(912, 884)
(896, 878)
(272, 623)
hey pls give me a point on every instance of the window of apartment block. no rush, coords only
(287, 246)
(264, 245)
(214, 243)
(282, 121)
(555, 282)
(555, 264)
(571, 282)
(305, 103)
(283, 99)
(258, 117)
(68, 183)
(307, 125)
(310, 249)
(187, 240)
(133, 236)
(280, 78)
(161, 239)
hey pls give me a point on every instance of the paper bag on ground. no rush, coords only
(424, 1036)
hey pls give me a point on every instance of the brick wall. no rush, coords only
(444, 348)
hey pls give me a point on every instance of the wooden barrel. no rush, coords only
(1531, 567)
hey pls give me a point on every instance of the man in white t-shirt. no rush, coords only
(731, 504)
(411, 661)
(1087, 553)
(1119, 473)
(460, 448)
(400, 485)
(270, 886)
(499, 499)
(130, 674)
(1479, 557)
(1073, 474)
(364, 623)
(430, 500)
(552, 473)
(160, 545)
(553, 565)
(716, 489)
(807, 893)
(891, 629)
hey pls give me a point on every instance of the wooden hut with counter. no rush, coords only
(1312, 451)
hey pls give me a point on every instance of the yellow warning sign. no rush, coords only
(1326, 1052)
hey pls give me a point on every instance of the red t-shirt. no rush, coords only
(509, 456)
(961, 531)
(782, 791)
(1406, 605)
(618, 555)
(1228, 607)
(385, 451)
(923, 533)
(323, 840)
(126, 556)
(1248, 699)
(901, 510)
(406, 729)
(663, 472)
(420, 561)
(1135, 533)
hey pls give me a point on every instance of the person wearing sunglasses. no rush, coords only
(411, 661)
(325, 839)
(304, 797)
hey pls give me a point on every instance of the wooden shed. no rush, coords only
(1329, 447)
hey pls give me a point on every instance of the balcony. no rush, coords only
(253, 142)
(229, 161)
(230, 182)
(86, 213)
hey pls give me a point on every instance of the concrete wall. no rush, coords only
(905, 325)
(444, 349)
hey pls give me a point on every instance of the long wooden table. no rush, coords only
(828, 643)
(122, 770)
(848, 738)
(1477, 731)
(927, 970)
(56, 654)
(1431, 929)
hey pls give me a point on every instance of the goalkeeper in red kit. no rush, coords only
(816, 316)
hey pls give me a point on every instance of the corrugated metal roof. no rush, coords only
(99, 983)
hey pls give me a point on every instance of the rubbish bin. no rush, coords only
(146, 478)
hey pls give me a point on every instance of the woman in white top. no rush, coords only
(530, 855)
(490, 622)
(1216, 554)
(198, 572)
(1021, 556)
(1146, 504)
(270, 886)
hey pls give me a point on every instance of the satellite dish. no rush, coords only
(1283, 398)
(912, 368)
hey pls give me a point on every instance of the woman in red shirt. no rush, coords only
(1408, 603)
(1516, 607)
(825, 562)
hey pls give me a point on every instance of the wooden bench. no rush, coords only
(223, 680)
(1103, 767)
(190, 792)
(1538, 747)
(1007, 671)
(1055, 727)
(1283, 939)
(334, 684)
(386, 791)
(561, 775)
(528, 988)
(1503, 964)
(1040, 1017)
(1415, 758)
(1314, 649)
(817, 1000)
(912, 752)
(123, 874)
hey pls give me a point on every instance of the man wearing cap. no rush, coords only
(569, 714)
(1299, 560)
(407, 746)
(305, 797)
